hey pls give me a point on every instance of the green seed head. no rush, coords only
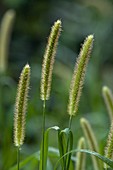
(81, 157)
(79, 75)
(91, 140)
(89, 134)
(109, 146)
(5, 34)
(48, 61)
(108, 98)
(20, 106)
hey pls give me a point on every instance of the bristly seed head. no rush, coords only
(108, 98)
(81, 157)
(91, 140)
(48, 61)
(109, 146)
(79, 75)
(21, 106)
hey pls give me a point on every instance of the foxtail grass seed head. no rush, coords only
(5, 34)
(21, 106)
(108, 98)
(81, 157)
(91, 140)
(89, 134)
(79, 75)
(48, 61)
(109, 146)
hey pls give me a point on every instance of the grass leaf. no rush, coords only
(101, 157)
(56, 128)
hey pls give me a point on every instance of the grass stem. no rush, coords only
(67, 162)
(18, 158)
(70, 122)
(43, 133)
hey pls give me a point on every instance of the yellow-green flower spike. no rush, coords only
(92, 142)
(108, 98)
(5, 33)
(81, 157)
(109, 146)
(79, 75)
(21, 106)
(48, 61)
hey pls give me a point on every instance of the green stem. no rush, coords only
(70, 122)
(43, 133)
(18, 158)
(67, 148)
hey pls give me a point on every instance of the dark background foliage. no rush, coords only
(31, 28)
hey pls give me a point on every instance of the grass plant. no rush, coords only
(64, 153)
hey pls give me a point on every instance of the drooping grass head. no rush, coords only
(21, 106)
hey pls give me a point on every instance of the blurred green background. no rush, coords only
(31, 28)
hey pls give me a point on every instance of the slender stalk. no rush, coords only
(67, 148)
(18, 158)
(70, 122)
(43, 133)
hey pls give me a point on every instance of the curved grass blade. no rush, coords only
(64, 136)
(62, 146)
(52, 152)
(56, 128)
(101, 157)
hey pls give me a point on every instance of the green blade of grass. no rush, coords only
(64, 136)
(56, 128)
(101, 157)
(62, 146)
(52, 152)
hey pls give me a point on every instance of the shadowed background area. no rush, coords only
(30, 30)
